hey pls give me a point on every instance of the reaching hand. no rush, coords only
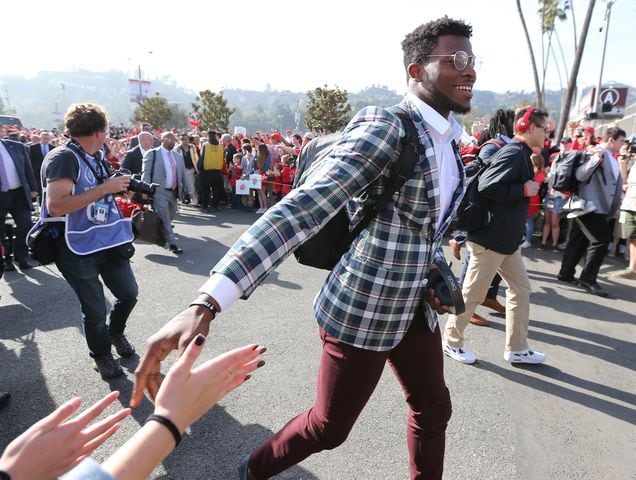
(117, 183)
(54, 445)
(176, 334)
(530, 188)
(188, 392)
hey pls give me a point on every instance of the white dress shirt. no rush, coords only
(9, 167)
(443, 131)
(165, 154)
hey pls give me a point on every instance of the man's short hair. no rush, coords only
(85, 119)
(226, 136)
(418, 44)
(536, 117)
(614, 133)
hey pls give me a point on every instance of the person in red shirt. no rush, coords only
(286, 174)
(535, 201)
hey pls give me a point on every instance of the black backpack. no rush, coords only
(473, 212)
(563, 171)
(324, 249)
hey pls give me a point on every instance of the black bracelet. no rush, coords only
(166, 422)
(4, 475)
(208, 305)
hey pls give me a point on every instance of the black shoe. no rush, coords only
(107, 366)
(570, 280)
(541, 246)
(4, 399)
(9, 267)
(174, 249)
(24, 265)
(594, 288)
(122, 345)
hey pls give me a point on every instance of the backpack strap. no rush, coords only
(152, 167)
(411, 151)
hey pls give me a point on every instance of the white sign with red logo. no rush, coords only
(242, 187)
(255, 181)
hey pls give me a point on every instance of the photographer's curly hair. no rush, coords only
(85, 119)
(418, 44)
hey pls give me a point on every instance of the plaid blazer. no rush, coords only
(369, 298)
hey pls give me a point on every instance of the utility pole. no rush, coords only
(596, 105)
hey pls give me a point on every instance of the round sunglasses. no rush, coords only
(461, 60)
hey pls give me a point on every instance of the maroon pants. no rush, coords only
(346, 380)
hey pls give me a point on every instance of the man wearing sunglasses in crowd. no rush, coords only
(370, 309)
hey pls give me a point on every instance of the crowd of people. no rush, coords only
(366, 318)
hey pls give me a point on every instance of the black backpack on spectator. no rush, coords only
(563, 170)
(324, 249)
(473, 212)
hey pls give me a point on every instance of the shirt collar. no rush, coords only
(443, 127)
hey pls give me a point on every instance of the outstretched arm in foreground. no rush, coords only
(56, 444)
(185, 395)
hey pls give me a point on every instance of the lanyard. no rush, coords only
(103, 172)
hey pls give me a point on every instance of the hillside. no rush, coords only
(36, 99)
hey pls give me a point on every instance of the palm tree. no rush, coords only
(578, 56)
(533, 62)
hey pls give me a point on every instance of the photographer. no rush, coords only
(79, 187)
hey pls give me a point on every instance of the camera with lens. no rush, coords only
(136, 185)
(631, 144)
(446, 286)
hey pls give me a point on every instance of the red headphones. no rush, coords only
(523, 124)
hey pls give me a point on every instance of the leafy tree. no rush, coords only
(212, 111)
(327, 109)
(179, 118)
(155, 111)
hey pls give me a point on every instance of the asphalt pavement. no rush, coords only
(571, 418)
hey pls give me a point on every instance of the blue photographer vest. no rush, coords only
(83, 236)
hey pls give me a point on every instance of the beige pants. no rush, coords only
(481, 269)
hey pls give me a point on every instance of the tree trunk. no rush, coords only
(537, 86)
(565, 107)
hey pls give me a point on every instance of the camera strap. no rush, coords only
(101, 172)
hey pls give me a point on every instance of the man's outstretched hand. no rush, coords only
(175, 335)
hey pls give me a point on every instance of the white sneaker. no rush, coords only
(524, 356)
(588, 207)
(574, 203)
(526, 244)
(461, 354)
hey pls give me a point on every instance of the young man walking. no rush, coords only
(368, 309)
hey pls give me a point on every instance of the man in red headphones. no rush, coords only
(508, 184)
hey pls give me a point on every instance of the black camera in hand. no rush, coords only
(136, 185)
(447, 288)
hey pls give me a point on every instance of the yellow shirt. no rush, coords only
(212, 157)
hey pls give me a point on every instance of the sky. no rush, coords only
(300, 45)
